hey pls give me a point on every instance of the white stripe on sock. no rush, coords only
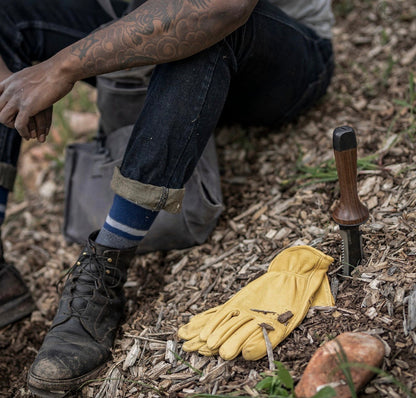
(125, 228)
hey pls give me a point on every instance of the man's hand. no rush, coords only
(39, 125)
(26, 99)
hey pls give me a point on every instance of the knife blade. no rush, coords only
(349, 212)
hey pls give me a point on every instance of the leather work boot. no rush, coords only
(15, 299)
(79, 341)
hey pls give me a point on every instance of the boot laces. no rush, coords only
(91, 272)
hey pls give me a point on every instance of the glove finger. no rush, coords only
(300, 260)
(254, 347)
(226, 329)
(197, 344)
(323, 297)
(196, 324)
(193, 345)
(205, 350)
(235, 342)
(215, 321)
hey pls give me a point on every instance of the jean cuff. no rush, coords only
(7, 175)
(148, 196)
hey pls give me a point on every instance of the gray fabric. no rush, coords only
(88, 196)
(131, 85)
(316, 14)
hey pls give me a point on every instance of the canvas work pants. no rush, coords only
(266, 73)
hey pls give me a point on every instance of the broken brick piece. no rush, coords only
(323, 369)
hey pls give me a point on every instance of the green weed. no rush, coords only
(384, 37)
(80, 100)
(325, 171)
(232, 395)
(387, 71)
(408, 107)
(345, 366)
(180, 359)
(277, 384)
(343, 8)
(18, 190)
(281, 385)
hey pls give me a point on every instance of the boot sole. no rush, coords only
(16, 309)
(47, 388)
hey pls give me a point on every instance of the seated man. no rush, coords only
(250, 61)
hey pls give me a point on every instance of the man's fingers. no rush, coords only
(21, 124)
(41, 126)
(49, 116)
(32, 127)
(3, 102)
(48, 119)
(43, 122)
(7, 115)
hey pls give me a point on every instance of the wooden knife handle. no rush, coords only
(349, 210)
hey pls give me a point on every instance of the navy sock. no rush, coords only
(4, 193)
(126, 224)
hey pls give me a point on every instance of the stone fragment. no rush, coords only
(323, 369)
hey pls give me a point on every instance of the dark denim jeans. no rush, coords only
(266, 72)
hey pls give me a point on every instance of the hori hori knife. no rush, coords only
(349, 213)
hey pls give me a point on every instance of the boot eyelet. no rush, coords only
(78, 262)
(107, 271)
(110, 260)
(84, 253)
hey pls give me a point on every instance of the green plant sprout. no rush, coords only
(410, 105)
(280, 384)
(345, 366)
(277, 384)
(186, 363)
(388, 71)
(325, 171)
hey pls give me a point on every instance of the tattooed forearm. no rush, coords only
(158, 31)
(81, 49)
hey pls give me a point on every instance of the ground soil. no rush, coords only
(271, 202)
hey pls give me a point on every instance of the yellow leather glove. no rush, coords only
(296, 278)
(190, 332)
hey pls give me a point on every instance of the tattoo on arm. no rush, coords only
(83, 47)
(158, 31)
(200, 3)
